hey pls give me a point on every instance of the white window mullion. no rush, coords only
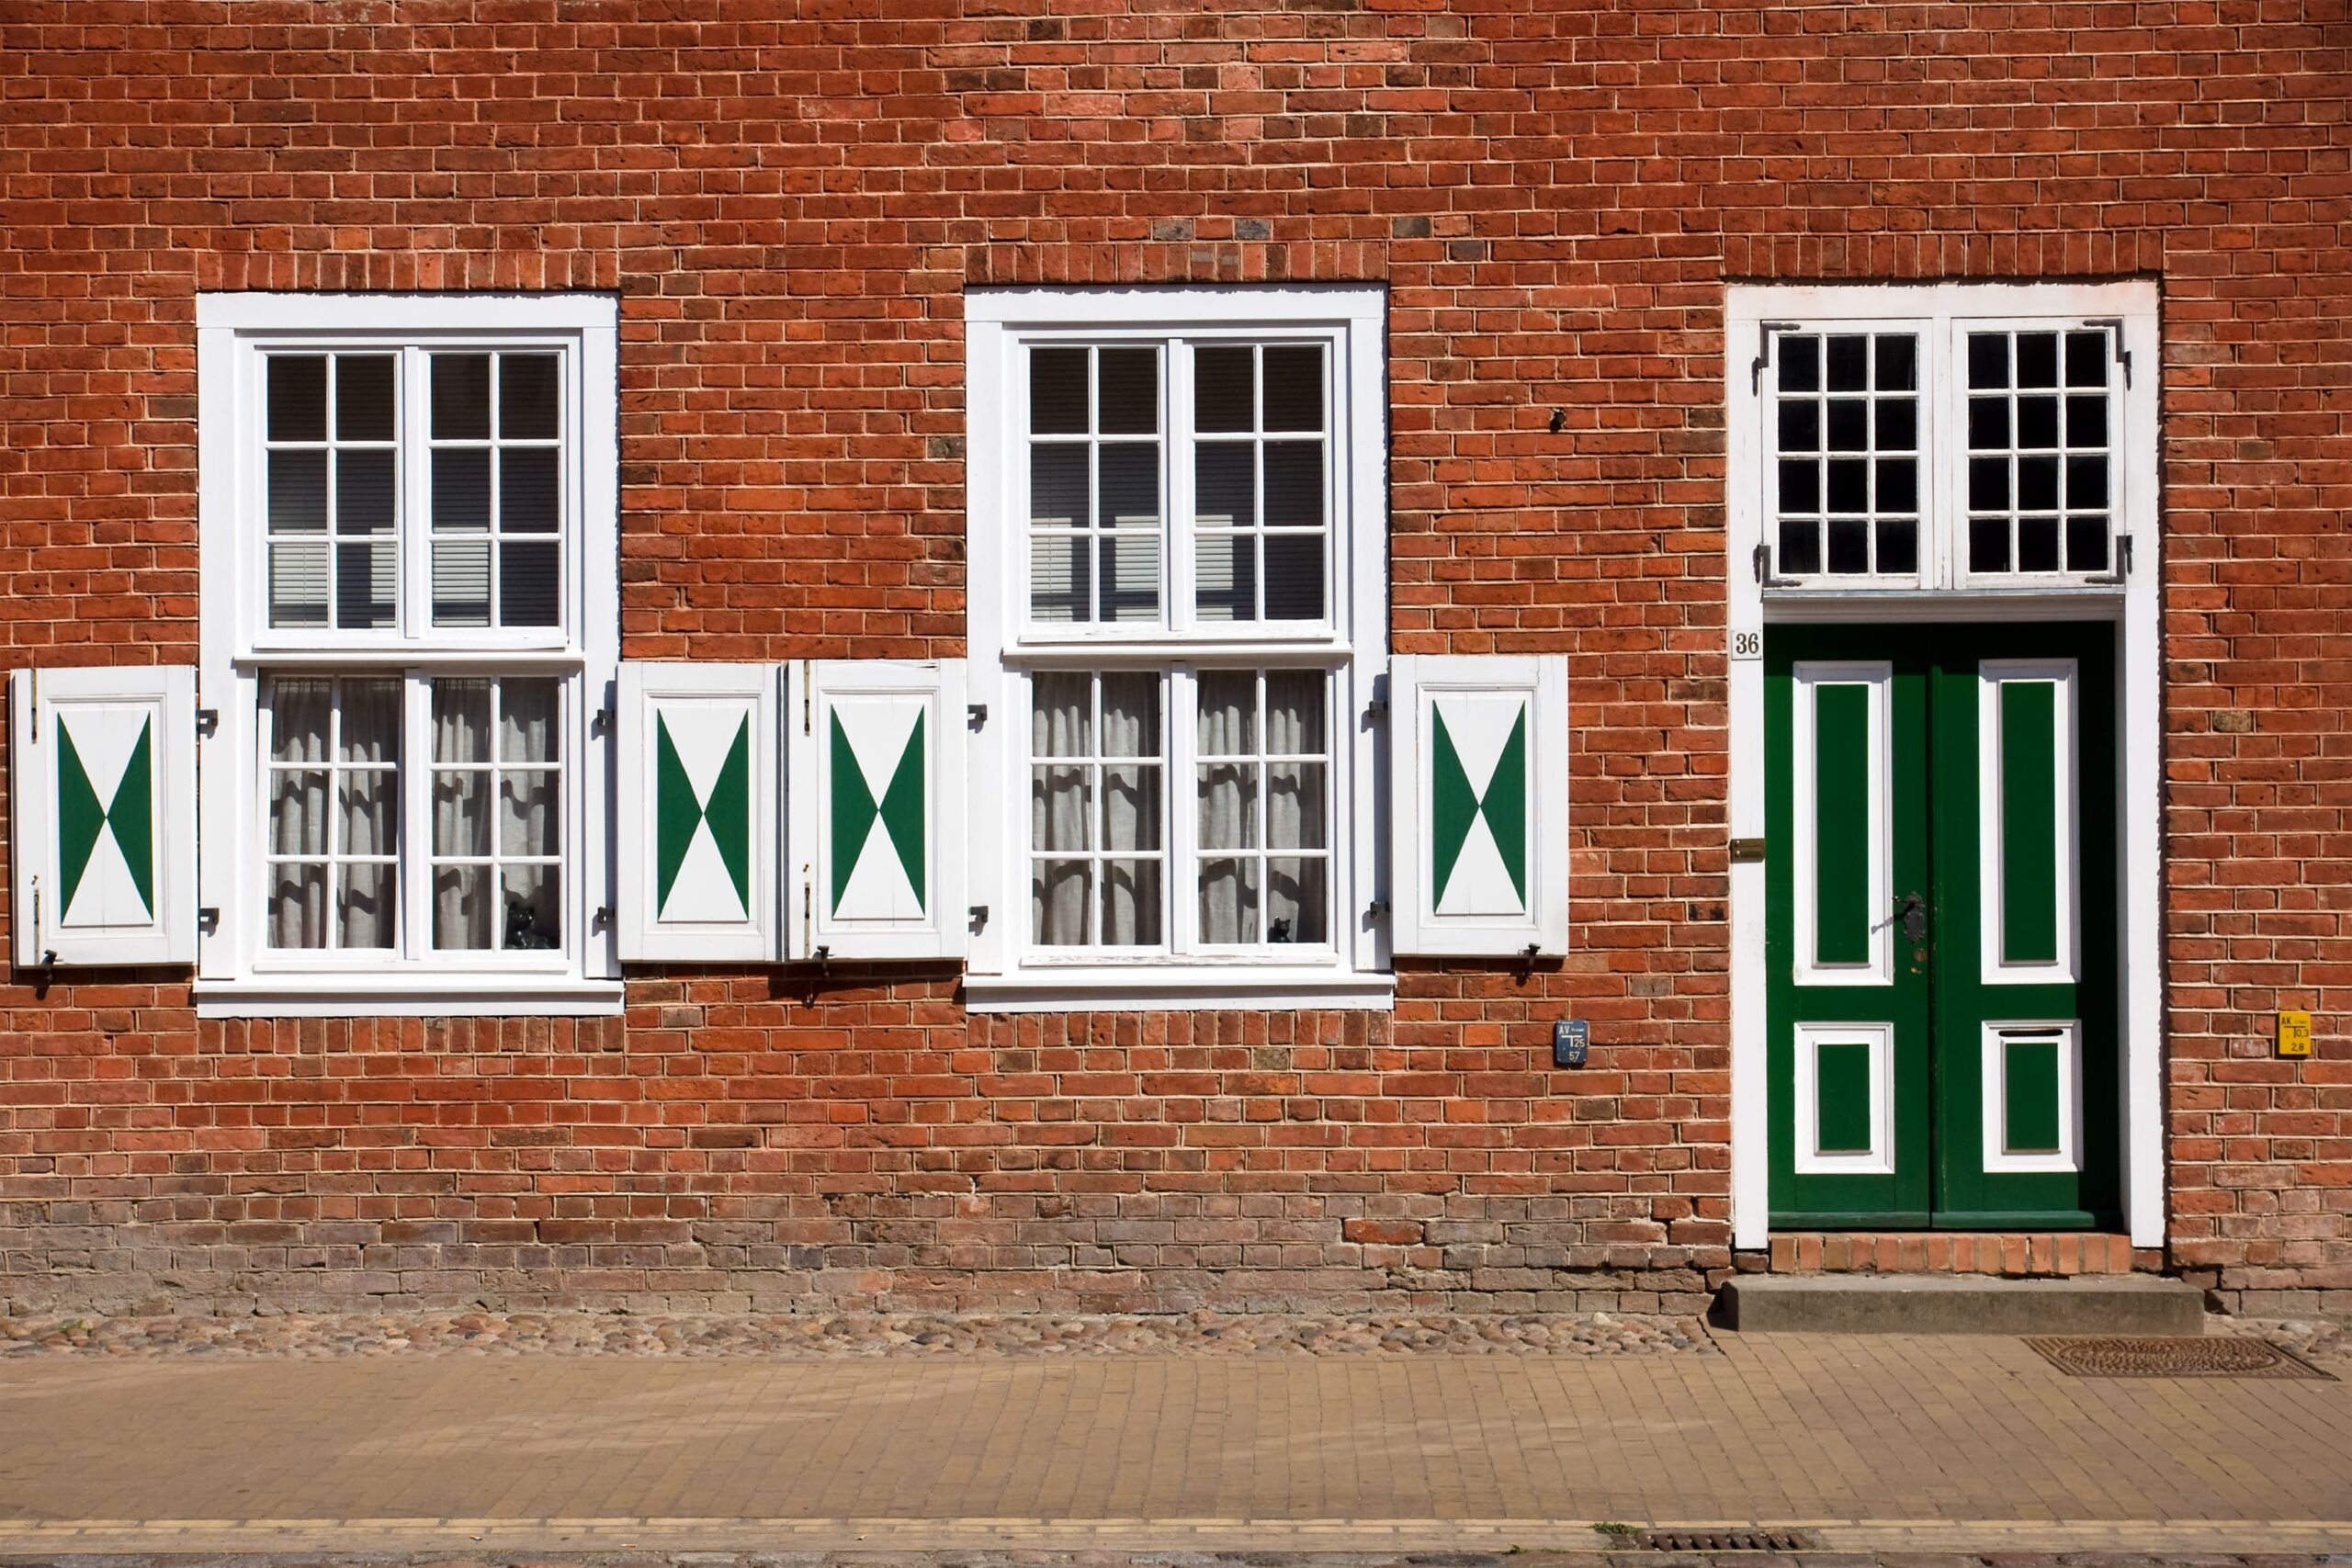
(1179, 713)
(414, 518)
(1182, 586)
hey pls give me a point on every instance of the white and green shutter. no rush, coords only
(697, 802)
(103, 778)
(1480, 771)
(877, 868)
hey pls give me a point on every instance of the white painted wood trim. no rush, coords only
(1808, 678)
(1992, 1090)
(1879, 1158)
(641, 935)
(2067, 875)
(393, 314)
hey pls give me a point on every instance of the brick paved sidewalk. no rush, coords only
(1875, 1443)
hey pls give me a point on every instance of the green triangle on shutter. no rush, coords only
(1504, 806)
(80, 817)
(676, 812)
(131, 818)
(728, 812)
(1453, 805)
(902, 811)
(852, 807)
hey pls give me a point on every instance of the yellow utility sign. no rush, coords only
(2294, 1035)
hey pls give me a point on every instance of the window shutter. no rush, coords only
(104, 784)
(877, 870)
(699, 854)
(1479, 749)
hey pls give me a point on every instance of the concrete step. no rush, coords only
(1945, 1304)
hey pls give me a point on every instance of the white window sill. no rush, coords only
(1180, 991)
(351, 997)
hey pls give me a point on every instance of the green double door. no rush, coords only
(1940, 844)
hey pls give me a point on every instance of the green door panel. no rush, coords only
(1968, 1078)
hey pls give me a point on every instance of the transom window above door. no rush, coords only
(1947, 437)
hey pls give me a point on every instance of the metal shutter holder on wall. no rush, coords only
(699, 854)
(1481, 770)
(102, 781)
(877, 868)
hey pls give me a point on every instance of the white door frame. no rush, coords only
(2139, 672)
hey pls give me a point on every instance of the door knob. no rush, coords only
(1913, 912)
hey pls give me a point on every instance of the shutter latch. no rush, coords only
(979, 918)
(975, 715)
(208, 723)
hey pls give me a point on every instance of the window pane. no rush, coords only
(1295, 398)
(1897, 425)
(1849, 426)
(1849, 364)
(1129, 393)
(1059, 894)
(1130, 481)
(1229, 900)
(297, 905)
(300, 712)
(2037, 359)
(363, 492)
(1061, 580)
(298, 585)
(461, 720)
(2037, 484)
(529, 501)
(1800, 551)
(2087, 359)
(2037, 422)
(461, 908)
(1849, 545)
(461, 813)
(1061, 808)
(462, 397)
(2037, 544)
(1130, 576)
(1296, 901)
(526, 719)
(1988, 544)
(297, 492)
(1131, 805)
(297, 397)
(1225, 485)
(1849, 485)
(363, 396)
(370, 731)
(1294, 484)
(1898, 484)
(1800, 425)
(1131, 903)
(526, 397)
(2086, 544)
(460, 490)
(528, 584)
(461, 582)
(1225, 392)
(1800, 363)
(2086, 421)
(1988, 361)
(368, 912)
(1062, 720)
(2087, 483)
(534, 914)
(1294, 806)
(1057, 391)
(299, 817)
(1800, 486)
(1293, 576)
(1130, 711)
(1898, 359)
(1057, 488)
(1898, 548)
(1988, 424)
(1988, 484)
(530, 812)
(367, 581)
(1225, 576)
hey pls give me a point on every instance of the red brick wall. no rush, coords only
(1554, 196)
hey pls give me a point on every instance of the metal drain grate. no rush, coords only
(2188, 1356)
(1725, 1538)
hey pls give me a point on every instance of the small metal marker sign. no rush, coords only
(1571, 1038)
(2294, 1035)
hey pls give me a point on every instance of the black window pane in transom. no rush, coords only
(1847, 426)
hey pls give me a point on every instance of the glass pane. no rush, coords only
(298, 906)
(1224, 484)
(298, 585)
(1057, 391)
(297, 812)
(1057, 496)
(1988, 544)
(1988, 361)
(1130, 714)
(371, 721)
(297, 492)
(1898, 363)
(1295, 398)
(363, 396)
(2037, 359)
(2037, 422)
(1799, 549)
(1849, 426)
(1849, 485)
(1059, 892)
(1850, 544)
(1988, 424)
(2086, 421)
(300, 712)
(1988, 484)
(1800, 425)
(528, 502)
(461, 813)
(1898, 548)
(460, 490)
(1799, 365)
(1130, 481)
(297, 397)
(1131, 805)
(1061, 808)
(1229, 901)
(1129, 393)
(369, 912)
(1800, 485)
(528, 577)
(1062, 718)
(2037, 484)
(461, 582)
(1898, 484)
(1294, 484)
(462, 397)
(526, 719)
(1224, 575)
(1898, 420)
(366, 581)
(1061, 580)
(2087, 484)
(534, 914)
(1296, 901)
(1130, 576)
(1226, 797)
(1849, 364)
(1293, 576)
(363, 492)
(2087, 359)
(530, 812)
(1228, 713)
(2086, 544)
(461, 720)
(1131, 903)
(1294, 806)
(526, 397)
(461, 908)
(1225, 392)
(2037, 544)
(1294, 712)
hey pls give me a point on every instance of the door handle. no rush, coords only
(1913, 910)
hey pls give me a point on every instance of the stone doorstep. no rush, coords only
(2011, 1253)
(1957, 1303)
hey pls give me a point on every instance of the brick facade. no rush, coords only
(1556, 197)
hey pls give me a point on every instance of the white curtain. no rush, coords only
(475, 907)
(369, 779)
(352, 792)
(462, 904)
(1122, 763)
(1294, 806)
(1228, 791)
(301, 712)
(529, 813)
(1244, 897)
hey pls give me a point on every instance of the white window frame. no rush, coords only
(1006, 973)
(238, 974)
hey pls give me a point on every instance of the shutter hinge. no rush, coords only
(1376, 910)
(208, 919)
(979, 918)
(1764, 351)
(1765, 575)
(975, 715)
(601, 722)
(208, 723)
(2122, 355)
(807, 701)
(36, 713)
(601, 918)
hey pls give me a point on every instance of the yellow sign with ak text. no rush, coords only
(2294, 1035)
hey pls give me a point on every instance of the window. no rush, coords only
(1179, 606)
(1954, 437)
(409, 616)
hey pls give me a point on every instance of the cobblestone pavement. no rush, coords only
(837, 1335)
